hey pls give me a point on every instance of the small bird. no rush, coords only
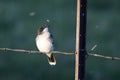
(45, 43)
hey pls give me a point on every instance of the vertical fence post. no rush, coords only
(80, 40)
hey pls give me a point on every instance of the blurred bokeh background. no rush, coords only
(20, 19)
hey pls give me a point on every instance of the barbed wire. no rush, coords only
(103, 56)
(57, 52)
(32, 51)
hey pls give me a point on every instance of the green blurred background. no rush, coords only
(20, 19)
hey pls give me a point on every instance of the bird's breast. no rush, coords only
(44, 45)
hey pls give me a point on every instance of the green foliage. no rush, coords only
(20, 19)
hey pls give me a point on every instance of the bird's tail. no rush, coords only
(51, 59)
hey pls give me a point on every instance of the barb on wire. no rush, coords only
(58, 52)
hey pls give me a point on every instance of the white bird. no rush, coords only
(44, 42)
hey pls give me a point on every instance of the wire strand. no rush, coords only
(58, 52)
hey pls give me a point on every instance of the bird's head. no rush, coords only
(43, 29)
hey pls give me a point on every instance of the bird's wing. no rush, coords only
(51, 38)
